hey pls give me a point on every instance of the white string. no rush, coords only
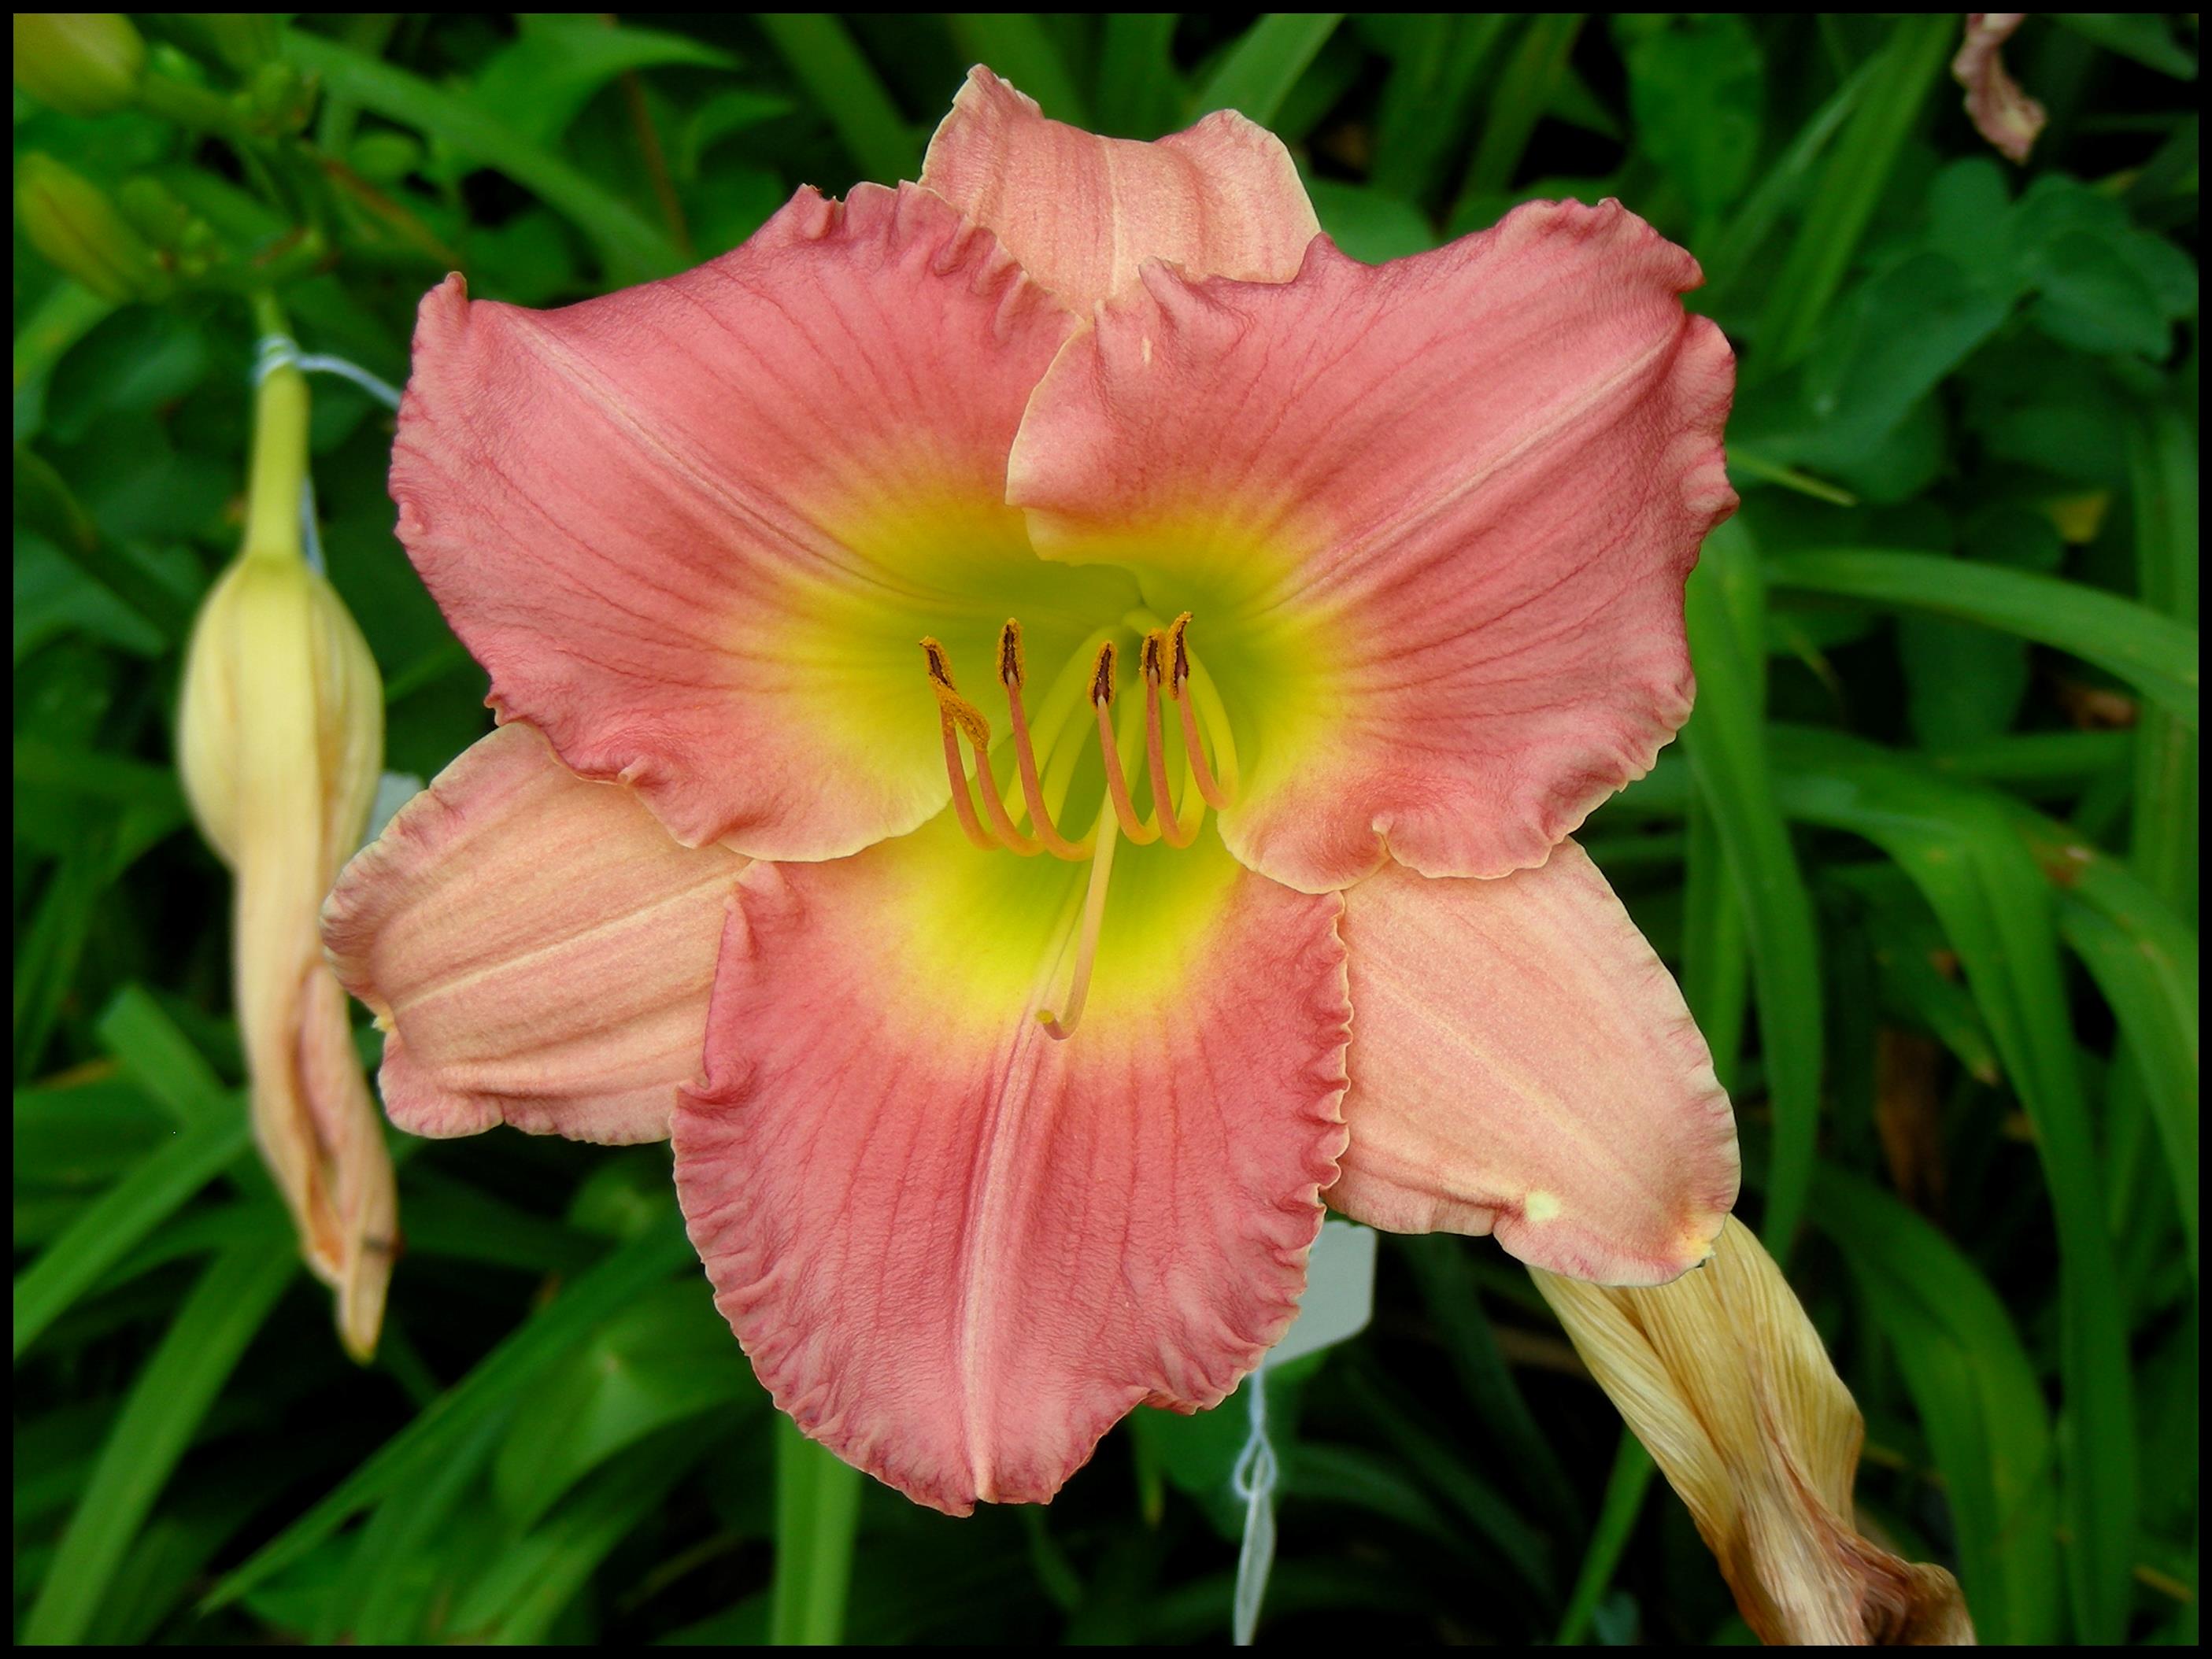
(311, 537)
(274, 351)
(1254, 1480)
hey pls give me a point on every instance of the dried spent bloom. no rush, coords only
(2001, 111)
(1726, 1382)
(1042, 711)
(279, 738)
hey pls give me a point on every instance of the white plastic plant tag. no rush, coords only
(1340, 1296)
(1340, 1300)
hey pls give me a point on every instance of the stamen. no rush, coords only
(954, 710)
(1063, 1025)
(994, 805)
(1117, 786)
(1172, 828)
(1010, 671)
(1180, 688)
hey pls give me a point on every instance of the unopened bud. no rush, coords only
(279, 98)
(280, 742)
(80, 63)
(154, 211)
(78, 230)
(274, 653)
(243, 39)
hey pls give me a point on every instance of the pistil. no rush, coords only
(1061, 1026)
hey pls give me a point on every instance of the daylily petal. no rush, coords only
(957, 1249)
(1447, 504)
(537, 949)
(1522, 1063)
(694, 529)
(1081, 211)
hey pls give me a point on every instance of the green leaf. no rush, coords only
(1852, 186)
(818, 1508)
(666, 1359)
(2144, 36)
(541, 82)
(496, 1385)
(1725, 742)
(1696, 90)
(1618, 1511)
(1961, 848)
(165, 1405)
(1141, 93)
(1430, 103)
(161, 1060)
(125, 1213)
(535, 1578)
(1979, 1398)
(1257, 73)
(634, 246)
(831, 70)
(2156, 655)
(1368, 225)
(1886, 348)
(1525, 88)
(2162, 464)
(1790, 177)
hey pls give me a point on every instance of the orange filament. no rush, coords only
(955, 711)
(1173, 829)
(1117, 786)
(1168, 671)
(1179, 688)
(1010, 675)
(964, 803)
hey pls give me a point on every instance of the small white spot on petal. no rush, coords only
(1145, 349)
(1540, 1205)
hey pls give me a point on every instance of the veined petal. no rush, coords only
(1447, 506)
(694, 529)
(958, 1250)
(1082, 212)
(537, 949)
(1523, 1064)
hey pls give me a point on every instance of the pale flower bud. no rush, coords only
(78, 231)
(280, 741)
(80, 63)
(1725, 1382)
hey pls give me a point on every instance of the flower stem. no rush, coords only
(279, 467)
(818, 1507)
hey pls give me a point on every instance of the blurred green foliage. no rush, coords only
(1925, 860)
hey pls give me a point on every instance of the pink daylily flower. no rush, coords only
(1318, 603)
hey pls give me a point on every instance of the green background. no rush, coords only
(1924, 860)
